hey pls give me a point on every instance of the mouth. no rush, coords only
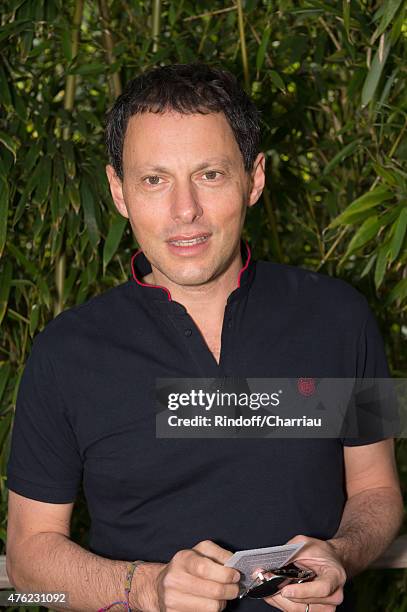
(183, 245)
(188, 242)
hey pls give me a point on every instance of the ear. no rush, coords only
(116, 189)
(257, 179)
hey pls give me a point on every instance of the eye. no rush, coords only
(154, 180)
(211, 174)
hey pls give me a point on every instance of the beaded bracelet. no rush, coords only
(131, 568)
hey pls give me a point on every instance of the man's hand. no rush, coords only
(325, 591)
(195, 579)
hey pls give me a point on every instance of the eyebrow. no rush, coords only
(224, 161)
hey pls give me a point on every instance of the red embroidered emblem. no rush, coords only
(306, 386)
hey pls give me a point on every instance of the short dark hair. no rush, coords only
(185, 88)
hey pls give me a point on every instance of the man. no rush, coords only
(183, 144)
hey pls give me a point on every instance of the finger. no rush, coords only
(290, 606)
(213, 551)
(186, 583)
(298, 539)
(320, 588)
(332, 600)
(203, 567)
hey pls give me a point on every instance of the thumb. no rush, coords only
(213, 551)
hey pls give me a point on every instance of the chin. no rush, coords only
(190, 277)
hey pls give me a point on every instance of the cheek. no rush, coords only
(145, 214)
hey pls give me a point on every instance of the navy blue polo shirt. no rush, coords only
(86, 412)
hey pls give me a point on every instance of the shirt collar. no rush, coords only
(140, 267)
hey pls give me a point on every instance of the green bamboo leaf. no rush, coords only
(34, 317)
(368, 200)
(90, 118)
(172, 14)
(391, 215)
(390, 7)
(387, 175)
(5, 284)
(19, 375)
(386, 89)
(32, 157)
(369, 265)
(14, 28)
(69, 158)
(5, 428)
(400, 227)
(346, 15)
(58, 172)
(114, 236)
(4, 90)
(5, 370)
(375, 72)
(397, 28)
(310, 12)
(57, 235)
(32, 269)
(69, 283)
(88, 205)
(44, 180)
(66, 44)
(399, 292)
(54, 203)
(343, 154)
(20, 209)
(4, 204)
(381, 263)
(73, 195)
(277, 80)
(354, 218)
(10, 142)
(87, 277)
(366, 232)
(44, 291)
(261, 52)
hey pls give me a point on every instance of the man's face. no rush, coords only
(185, 192)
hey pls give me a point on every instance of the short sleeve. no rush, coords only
(44, 462)
(374, 411)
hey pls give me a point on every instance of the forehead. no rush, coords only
(171, 135)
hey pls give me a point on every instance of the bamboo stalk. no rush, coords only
(108, 43)
(204, 35)
(69, 100)
(16, 315)
(210, 13)
(245, 61)
(397, 141)
(60, 269)
(332, 249)
(258, 40)
(70, 84)
(156, 24)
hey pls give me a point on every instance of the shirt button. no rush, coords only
(188, 332)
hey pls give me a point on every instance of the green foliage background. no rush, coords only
(329, 78)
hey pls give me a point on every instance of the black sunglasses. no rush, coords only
(269, 582)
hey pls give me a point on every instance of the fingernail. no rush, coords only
(236, 578)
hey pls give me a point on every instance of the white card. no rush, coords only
(273, 557)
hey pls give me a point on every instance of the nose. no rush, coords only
(185, 207)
